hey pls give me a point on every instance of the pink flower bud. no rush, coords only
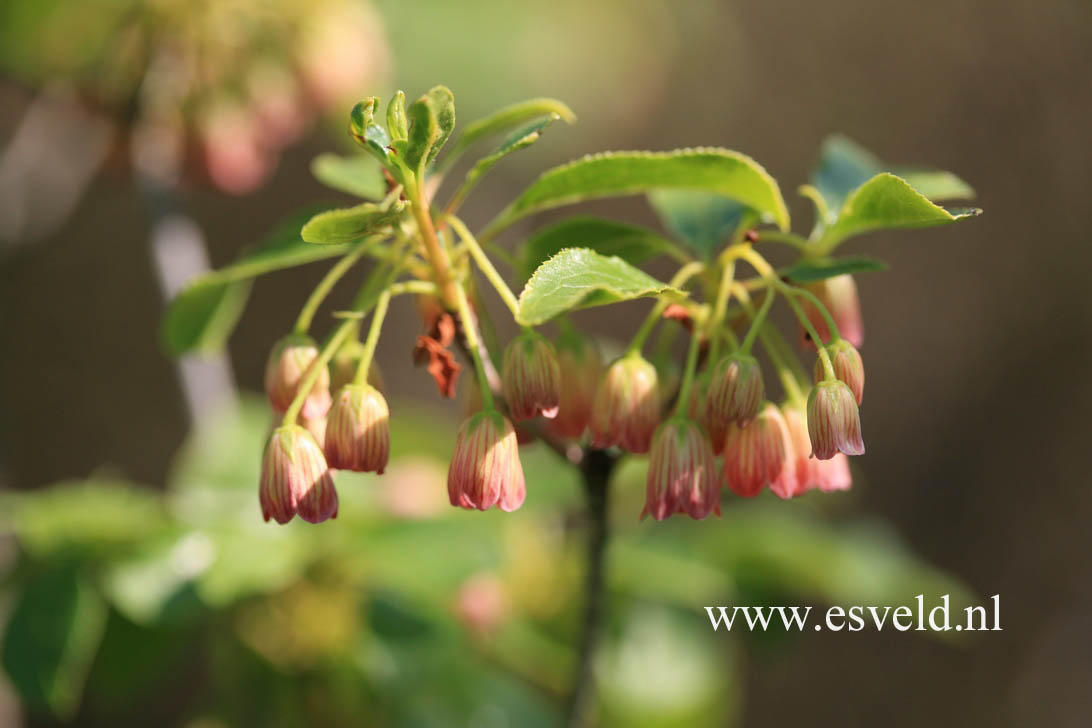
(848, 367)
(288, 364)
(700, 411)
(735, 389)
(580, 366)
(826, 475)
(485, 468)
(839, 295)
(357, 430)
(344, 364)
(834, 424)
(530, 377)
(295, 478)
(682, 472)
(627, 405)
(760, 454)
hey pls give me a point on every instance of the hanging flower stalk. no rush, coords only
(724, 429)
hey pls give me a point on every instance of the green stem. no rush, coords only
(720, 306)
(756, 322)
(790, 239)
(485, 265)
(312, 375)
(835, 334)
(474, 346)
(680, 278)
(307, 314)
(683, 400)
(784, 370)
(373, 337)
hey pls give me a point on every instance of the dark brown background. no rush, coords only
(978, 339)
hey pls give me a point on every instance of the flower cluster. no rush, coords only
(707, 425)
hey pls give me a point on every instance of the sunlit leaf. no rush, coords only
(431, 120)
(703, 220)
(580, 278)
(356, 175)
(51, 639)
(885, 202)
(809, 270)
(367, 133)
(612, 174)
(844, 166)
(511, 117)
(631, 243)
(351, 224)
(203, 315)
(397, 123)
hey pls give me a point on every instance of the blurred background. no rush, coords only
(145, 590)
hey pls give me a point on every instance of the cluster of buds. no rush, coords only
(348, 431)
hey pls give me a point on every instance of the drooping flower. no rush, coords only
(357, 430)
(848, 367)
(736, 389)
(580, 366)
(289, 362)
(813, 473)
(839, 295)
(760, 454)
(627, 405)
(700, 411)
(530, 377)
(682, 472)
(834, 423)
(295, 478)
(485, 469)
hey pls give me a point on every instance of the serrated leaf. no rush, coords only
(51, 640)
(702, 220)
(520, 139)
(581, 278)
(358, 175)
(844, 166)
(511, 117)
(431, 119)
(809, 270)
(352, 223)
(203, 315)
(613, 174)
(631, 243)
(885, 202)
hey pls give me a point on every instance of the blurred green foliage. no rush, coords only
(130, 604)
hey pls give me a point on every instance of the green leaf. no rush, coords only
(51, 639)
(844, 166)
(520, 139)
(720, 171)
(809, 270)
(432, 119)
(397, 124)
(351, 224)
(885, 202)
(702, 220)
(631, 243)
(581, 278)
(510, 117)
(367, 133)
(203, 315)
(357, 175)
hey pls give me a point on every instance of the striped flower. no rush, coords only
(760, 455)
(295, 478)
(580, 366)
(627, 405)
(848, 367)
(485, 470)
(735, 389)
(834, 423)
(530, 377)
(682, 472)
(357, 430)
(288, 364)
